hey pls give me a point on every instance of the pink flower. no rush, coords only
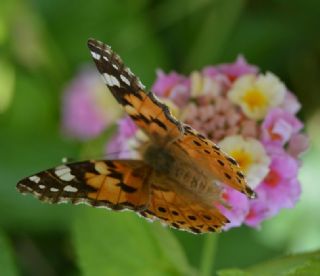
(279, 126)
(290, 103)
(239, 207)
(118, 146)
(87, 111)
(172, 86)
(127, 127)
(298, 144)
(232, 70)
(281, 186)
(258, 211)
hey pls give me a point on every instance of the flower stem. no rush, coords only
(208, 254)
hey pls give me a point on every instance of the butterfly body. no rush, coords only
(159, 158)
(175, 181)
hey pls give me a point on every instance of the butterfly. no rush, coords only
(177, 180)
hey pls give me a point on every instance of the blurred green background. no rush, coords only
(43, 44)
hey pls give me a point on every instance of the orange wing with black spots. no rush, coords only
(213, 160)
(115, 184)
(175, 210)
(150, 115)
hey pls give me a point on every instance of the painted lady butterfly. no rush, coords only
(175, 180)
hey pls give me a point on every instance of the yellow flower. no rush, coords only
(257, 94)
(251, 156)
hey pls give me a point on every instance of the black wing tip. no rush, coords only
(20, 186)
(93, 41)
(23, 188)
(250, 193)
(95, 44)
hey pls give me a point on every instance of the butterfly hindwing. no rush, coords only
(150, 115)
(173, 209)
(114, 184)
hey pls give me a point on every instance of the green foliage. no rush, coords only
(7, 263)
(292, 265)
(216, 28)
(121, 243)
(6, 85)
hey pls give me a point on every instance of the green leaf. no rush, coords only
(7, 264)
(292, 265)
(310, 268)
(233, 272)
(176, 11)
(7, 80)
(208, 254)
(109, 243)
(217, 26)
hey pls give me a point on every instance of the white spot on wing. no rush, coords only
(111, 80)
(115, 81)
(115, 66)
(95, 55)
(35, 179)
(52, 189)
(128, 70)
(64, 173)
(70, 189)
(67, 177)
(125, 80)
(42, 186)
(105, 58)
(107, 48)
(38, 195)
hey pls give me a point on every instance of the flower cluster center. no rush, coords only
(272, 179)
(254, 98)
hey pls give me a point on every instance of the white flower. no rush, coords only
(257, 94)
(202, 85)
(251, 156)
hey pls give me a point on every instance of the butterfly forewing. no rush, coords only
(150, 114)
(212, 159)
(115, 184)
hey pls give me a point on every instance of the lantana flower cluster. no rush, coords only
(251, 115)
